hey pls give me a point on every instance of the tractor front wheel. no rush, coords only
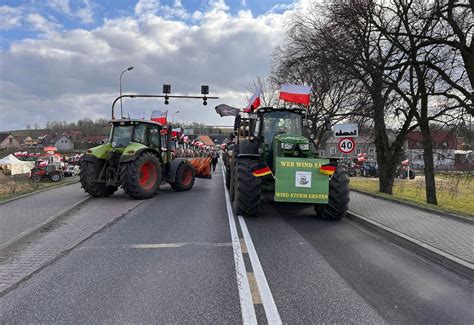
(247, 188)
(338, 200)
(184, 179)
(141, 177)
(89, 173)
(55, 177)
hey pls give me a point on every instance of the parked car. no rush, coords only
(71, 170)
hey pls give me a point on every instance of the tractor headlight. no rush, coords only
(286, 146)
(304, 146)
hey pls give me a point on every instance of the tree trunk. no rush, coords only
(430, 184)
(386, 168)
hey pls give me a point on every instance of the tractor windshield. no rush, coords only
(281, 122)
(121, 135)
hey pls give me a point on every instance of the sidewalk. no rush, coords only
(449, 235)
(19, 216)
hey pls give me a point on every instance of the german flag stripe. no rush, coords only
(262, 172)
(327, 169)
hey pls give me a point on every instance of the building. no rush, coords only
(8, 140)
(363, 144)
(218, 138)
(94, 139)
(60, 141)
(444, 149)
(206, 140)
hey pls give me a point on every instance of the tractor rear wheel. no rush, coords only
(247, 188)
(338, 201)
(36, 178)
(141, 177)
(184, 179)
(89, 173)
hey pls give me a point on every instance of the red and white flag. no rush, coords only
(295, 94)
(254, 103)
(159, 116)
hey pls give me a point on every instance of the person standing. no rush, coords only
(215, 159)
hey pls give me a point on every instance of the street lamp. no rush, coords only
(172, 117)
(128, 69)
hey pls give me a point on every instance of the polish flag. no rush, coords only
(295, 94)
(254, 103)
(159, 116)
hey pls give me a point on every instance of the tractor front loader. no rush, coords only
(270, 153)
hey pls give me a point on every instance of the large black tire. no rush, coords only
(338, 201)
(141, 177)
(37, 178)
(184, 179)
(411, 174)
(227, 177)
(88, 175)
(247, 191)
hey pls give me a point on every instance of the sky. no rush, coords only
(61, 59)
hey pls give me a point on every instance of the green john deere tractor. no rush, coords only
(270, 142)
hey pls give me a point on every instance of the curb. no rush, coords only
(24, 236)
(419, 207)
(38, 191)
(441, 257)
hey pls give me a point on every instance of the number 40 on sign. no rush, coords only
(346, 145)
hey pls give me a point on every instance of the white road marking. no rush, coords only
(273, 317)
(173, 245)
(245, 295)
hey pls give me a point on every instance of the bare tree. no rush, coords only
(268, 91)
(337, 42)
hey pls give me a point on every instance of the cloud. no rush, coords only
(10, 17)
(42, 24)
(83, 10)
(71, 74)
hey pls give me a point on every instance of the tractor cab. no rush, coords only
(281, 133)
(129, 132)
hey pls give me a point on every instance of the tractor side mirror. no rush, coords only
(237, 122)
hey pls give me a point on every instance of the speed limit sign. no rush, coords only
(346, 145)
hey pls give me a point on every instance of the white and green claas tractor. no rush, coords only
(134, 159)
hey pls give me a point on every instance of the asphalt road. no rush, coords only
(171, 260)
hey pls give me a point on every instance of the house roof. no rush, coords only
(206, 140)
(218, 138)
(3, 136)
(51, 139)
(94, 139)
(441, 140)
